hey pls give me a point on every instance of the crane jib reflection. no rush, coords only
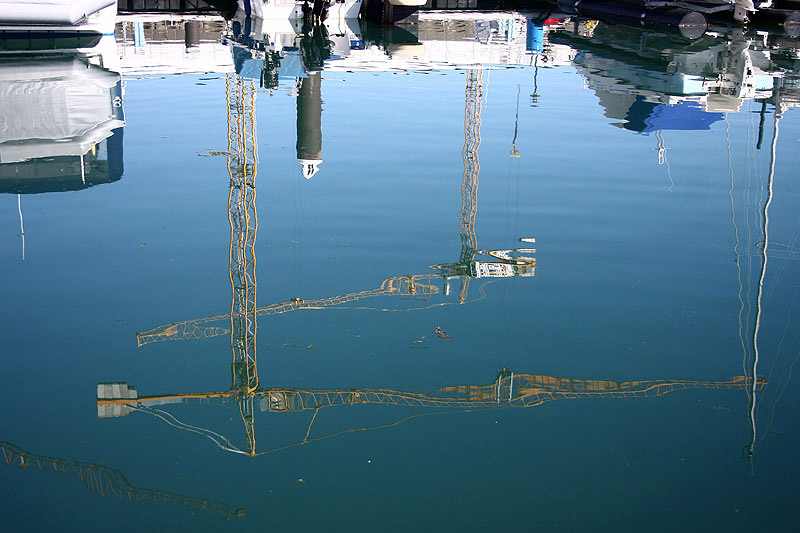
(508, 390)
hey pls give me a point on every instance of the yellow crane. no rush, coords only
(505, 263)
(472, 169)
(242, 166)
(535, 389)
(469, 183)
(200, 328)
(243, 220)
(508, 263)
(508, 390)
(103, 480)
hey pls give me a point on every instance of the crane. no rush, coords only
(412, 285)
(472, 169)
(505, 263)
(508, 390)
(243, 219)
(469, 183)
(472, 165)
(535, 389)
(242, 164)
(516, 262)
(103, 480)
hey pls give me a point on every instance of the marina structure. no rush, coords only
(714, 72)
(687, 85)
(691, 17)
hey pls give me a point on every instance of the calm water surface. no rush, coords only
(665, 275)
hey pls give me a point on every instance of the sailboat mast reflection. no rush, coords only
(752, 400)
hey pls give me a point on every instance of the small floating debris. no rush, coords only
(417, 344)
(212, 153)
(442, 333)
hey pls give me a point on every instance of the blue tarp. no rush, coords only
(647, 117)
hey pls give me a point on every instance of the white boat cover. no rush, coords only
(54, 107)
(63, 12)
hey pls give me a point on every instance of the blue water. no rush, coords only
(644, 271)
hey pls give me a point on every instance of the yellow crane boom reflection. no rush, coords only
(242, 167)
(508, 390)
(413, 285)
(103, 480)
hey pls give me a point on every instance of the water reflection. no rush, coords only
(104, 480)
(646, 81)
(716, 70)
(508, 390)
(314, 47)
(645, 78)
(115, 399)
(62, 120)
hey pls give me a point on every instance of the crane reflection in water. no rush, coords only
(116, 399)
(104, 480)
(507, 390)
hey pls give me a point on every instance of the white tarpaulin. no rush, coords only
(54, 107)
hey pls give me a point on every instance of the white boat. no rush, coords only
(62, 124)
(37, 25)
(62, 95)
(50, 12)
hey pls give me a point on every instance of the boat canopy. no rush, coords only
(55, 107)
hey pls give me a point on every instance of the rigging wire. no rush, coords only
(21, 226)
(173, 421)
(737, 255)
(765, 256)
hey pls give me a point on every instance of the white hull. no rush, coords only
(99, 22)
(50, 12)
